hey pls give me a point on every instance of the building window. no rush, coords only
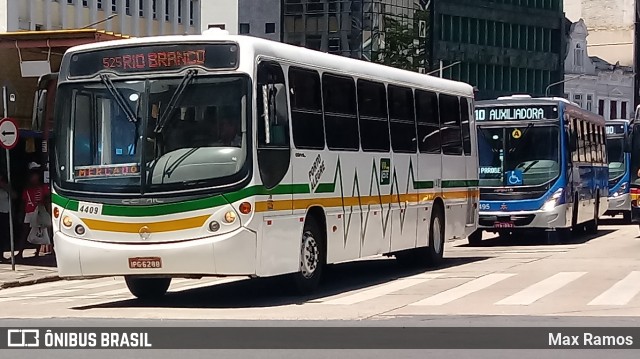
(153, 9)
(245, 28)
(179, 11)
(613, 110)
(127, 7)
(578, 59)
(114, 5)
(191, 12)
(577, 98)
(99, 4)
(270, 28)
(217, 26)
(601, 107)
(85, 3)
(623, 110)
(589, 102)
(166, 10)
(141, 8)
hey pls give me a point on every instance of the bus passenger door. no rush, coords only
(278, 247)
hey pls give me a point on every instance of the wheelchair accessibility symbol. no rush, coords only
(514, 178)
(516, 134)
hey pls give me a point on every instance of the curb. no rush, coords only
(22, 283)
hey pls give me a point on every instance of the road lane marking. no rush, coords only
(541, 289)
(620, 293)
(464, 289)
(36, 295)
(380, 290)
(202, 284)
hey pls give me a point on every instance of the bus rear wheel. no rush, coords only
(312, 258)
(147, 288)
(435, 251)
(626, 217)
(592, 225)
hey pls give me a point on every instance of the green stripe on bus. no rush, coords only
(459, 183)
(216, 201)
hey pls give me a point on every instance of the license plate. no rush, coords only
(503, 225)
(145, 263)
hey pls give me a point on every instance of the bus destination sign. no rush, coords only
(155, 58)
(617, 129)
(516, 113)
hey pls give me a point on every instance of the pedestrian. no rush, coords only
(5, 207)
(34, 196)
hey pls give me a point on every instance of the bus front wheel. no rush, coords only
(435, 251)
(147, 288)
(312, 258)
(626, 217)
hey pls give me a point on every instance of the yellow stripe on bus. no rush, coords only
(328, 202)
(154, 227)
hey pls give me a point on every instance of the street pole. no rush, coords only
(441, 68)
(546, 91)
(5, 104)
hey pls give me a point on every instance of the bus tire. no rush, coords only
(575, 228)
(626, 217)
(312, 258)
(147, 288)
(475, 238)
(435, 251)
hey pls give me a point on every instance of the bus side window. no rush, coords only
(428, 122)
(306, 108)
(374, 122)
(450, 132)
(340, 112)
(466, 129)
(274, 152)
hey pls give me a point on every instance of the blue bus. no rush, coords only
(542, 165)
(619, 158)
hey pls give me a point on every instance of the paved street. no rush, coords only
(592, 276)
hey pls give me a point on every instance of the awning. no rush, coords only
(55, 38)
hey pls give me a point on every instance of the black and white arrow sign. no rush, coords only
(8, 133)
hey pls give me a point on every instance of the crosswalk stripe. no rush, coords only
(202, 284)
(620, 293)
(381, 290)
(30, 288)
(541, 289)
(35, 295)
(464, 289)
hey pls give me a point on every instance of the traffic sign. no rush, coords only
(8, 133)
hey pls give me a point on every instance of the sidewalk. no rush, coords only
(31, 270)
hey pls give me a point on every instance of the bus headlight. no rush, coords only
(230, 217)
(67, 222)
(553, 201)
(621, 190)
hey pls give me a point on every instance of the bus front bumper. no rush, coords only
(229, 254)
(497, 221)
(620, 203)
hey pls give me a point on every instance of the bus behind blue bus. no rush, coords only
(542, 167)
(619, 158)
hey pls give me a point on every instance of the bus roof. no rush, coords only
(301, 55)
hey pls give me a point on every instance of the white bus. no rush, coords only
(218, 155)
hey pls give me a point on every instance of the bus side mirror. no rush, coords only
(39, 105)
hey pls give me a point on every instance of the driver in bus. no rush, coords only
(229, 133)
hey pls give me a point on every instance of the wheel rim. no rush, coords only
(309, 258)
(437, 235)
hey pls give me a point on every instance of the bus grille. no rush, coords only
(518, 220)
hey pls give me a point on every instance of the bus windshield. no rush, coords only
(616, 157)
(518, 156)
(112, 138)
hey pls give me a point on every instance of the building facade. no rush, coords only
(613, 32)
(595, 84)
(500, 46)
(130, 17)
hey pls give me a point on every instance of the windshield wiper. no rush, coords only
(122, 103)
(175, 99)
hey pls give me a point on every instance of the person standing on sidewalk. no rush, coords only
(34, 195)
(5, 207)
